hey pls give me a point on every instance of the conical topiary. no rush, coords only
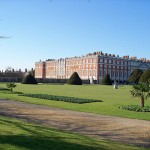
(29, 79)
(74, 79)
(135, 76)
(106, 80)
(145, 76)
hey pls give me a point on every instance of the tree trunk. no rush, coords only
(142, 101)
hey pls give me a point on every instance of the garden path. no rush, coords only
(124, 130)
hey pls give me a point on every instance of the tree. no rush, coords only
(4, 37)
(11, 86)
(74, 79)
(135, 76)
(142, 91)
(32, 72)
(149, 80)
(106, 80)
(8, 69)
(29, 79)
(145, 76)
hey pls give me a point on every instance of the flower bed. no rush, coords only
(61, 98)
(136, 108)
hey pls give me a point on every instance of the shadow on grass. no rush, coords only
(42, 143)
(18, 135)
(29, 136)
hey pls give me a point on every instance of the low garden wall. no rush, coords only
(40, 80)
(10, 79)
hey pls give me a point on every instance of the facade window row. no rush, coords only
(94, 66)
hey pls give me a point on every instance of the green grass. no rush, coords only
(19, 135)
(112, 99)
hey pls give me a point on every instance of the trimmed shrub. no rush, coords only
(136, 108)
(74, 79)
(29, 79)
(4, 89)
(106, 80)
(135, 76)
(11, 86)
(145, 76)
(61, 98)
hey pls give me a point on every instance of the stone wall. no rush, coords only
(10, 79)
(40, 80)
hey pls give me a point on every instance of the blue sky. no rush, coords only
(43, 29)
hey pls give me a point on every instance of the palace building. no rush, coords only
(92, 67)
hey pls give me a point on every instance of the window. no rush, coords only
(101, 60)
(109, 72)
(129, 73)
(117, 74)
(101, 72)
(82, 72)
(113, 73)
(125, 74)
(121, 74)
(105, 72)
(86, 72)
(90, 72)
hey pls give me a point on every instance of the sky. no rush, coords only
(45, 29)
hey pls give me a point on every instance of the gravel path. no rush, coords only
(124, 130)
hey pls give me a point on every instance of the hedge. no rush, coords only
(61, 98)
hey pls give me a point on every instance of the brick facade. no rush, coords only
(93, 66)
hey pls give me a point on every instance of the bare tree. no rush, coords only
(9, 69)
(4, 37)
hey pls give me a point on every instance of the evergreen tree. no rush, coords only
(145, 76)
(74, 79)
(29, 79)
(106, 80)
(135, 76)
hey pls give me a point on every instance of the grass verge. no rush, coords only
(112, 99)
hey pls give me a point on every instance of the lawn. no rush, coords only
(112, 98)
(20, 135)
